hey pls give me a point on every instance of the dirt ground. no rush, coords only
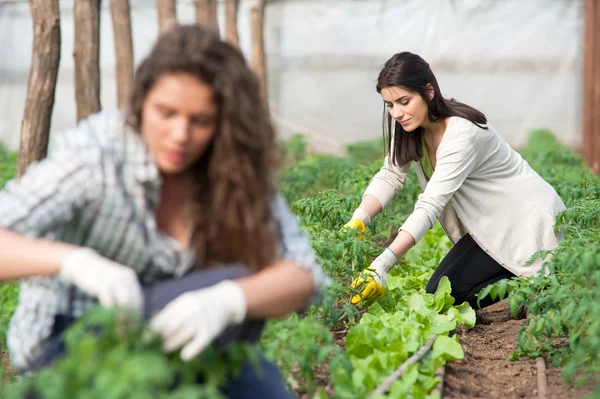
(485, 372)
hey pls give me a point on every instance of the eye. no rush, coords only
(202, 121)
(165, 112)
(389, 105)
(405, 102)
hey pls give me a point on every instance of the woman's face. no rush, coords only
(178, 121)
(408, 108)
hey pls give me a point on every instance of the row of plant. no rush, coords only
(9, 292)
(563, 307)
(126, 361)
(341, 350)
(372, 341)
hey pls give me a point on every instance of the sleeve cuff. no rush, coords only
(416, 225)
(382, 191)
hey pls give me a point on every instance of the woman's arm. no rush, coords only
(291, 283)
(48, 196)
(371, 206)
(276, 291)
(382, 189)
(402, 243)
(457, 160)
(112, 283)
(22, 257)
(296, 267)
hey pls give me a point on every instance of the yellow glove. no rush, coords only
(372, 285)
(358, 225)
(359, 221)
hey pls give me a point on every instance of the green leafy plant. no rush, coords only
(9, 292)
(563, 307)
(293, 149)
(112, 355)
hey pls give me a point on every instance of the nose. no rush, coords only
(396, 112)
(180, 130)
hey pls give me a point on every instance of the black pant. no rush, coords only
(469, 269)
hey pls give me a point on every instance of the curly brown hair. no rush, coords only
(233, 184)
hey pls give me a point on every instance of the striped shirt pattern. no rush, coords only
(100, 188)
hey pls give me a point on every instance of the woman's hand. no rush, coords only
(112, 283)
(358, 225)
(359, 221)
(372, 280)
(194, 319)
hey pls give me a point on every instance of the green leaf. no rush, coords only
(448, 348)
(466, 315)
(443, 299)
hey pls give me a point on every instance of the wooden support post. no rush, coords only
(206, 14)
(167, 14)
(231, 28)
(121, 20)
(591, 86)
(87, 57)
(257, 20)
(41, 86)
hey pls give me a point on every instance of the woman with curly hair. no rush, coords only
(169, 209)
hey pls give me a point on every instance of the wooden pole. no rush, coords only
(591, 86)
(595, 142)
(87, 57)
(231, 28)
(257, 16)
(41, 86)
(121, 20)
(201, 7)
(206, 14)
(167, 14)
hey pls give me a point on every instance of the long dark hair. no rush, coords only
(234, 180)
(411, 72)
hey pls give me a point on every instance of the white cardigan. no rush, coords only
(508, 209)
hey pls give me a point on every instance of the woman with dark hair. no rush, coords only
(170, 209)
(495, 209)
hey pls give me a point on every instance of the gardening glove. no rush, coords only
(359, 221)
(112, 283)
(373, 286)
(194, 319)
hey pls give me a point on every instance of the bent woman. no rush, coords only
(170, 208)
(497, 211)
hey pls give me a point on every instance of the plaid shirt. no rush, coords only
(100, 188)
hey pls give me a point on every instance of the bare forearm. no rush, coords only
(22, 257)
(277, 290)
(402, 243)
(371, 205)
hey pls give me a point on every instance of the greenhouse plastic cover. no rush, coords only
(518, 61)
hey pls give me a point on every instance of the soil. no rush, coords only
(486, 372)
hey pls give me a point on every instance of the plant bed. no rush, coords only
(487, 372)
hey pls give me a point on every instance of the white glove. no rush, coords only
(361, 214)
(112, 283)
(372, 281)
(194, 319)
(382, 265)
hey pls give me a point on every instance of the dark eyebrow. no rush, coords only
(204, 115)
(397, 100)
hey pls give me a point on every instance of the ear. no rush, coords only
(430, 91)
